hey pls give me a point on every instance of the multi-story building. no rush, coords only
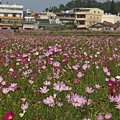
(66, 16)
(10, 15)
(29, 20)
(48, 19)
(49, 16)
(85, 17)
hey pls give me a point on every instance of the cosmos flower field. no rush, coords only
(46, 77)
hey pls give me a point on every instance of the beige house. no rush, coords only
(85, 17)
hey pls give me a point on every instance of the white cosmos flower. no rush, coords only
(117, 77)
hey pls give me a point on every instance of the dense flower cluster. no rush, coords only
(59, 77)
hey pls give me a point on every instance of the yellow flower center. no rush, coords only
(60, 87)
(10, 117)
(76, 101)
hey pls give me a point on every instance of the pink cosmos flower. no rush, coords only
(108, 73)
(111, 98)
(76, 100)
(56, 64)
(99, 116)
(86, 119)
(79, 75)
(24, 106)
(108, 116)
(9, 115)
(59, 104)
(31, 81)
(85, 66)
(13, 86)
(47, 83)
(23, 99)
(1, 79)
(118, 106)
(105, 69)
(5, 90)
(97, 86)
(44, 89)
(59, 86)
(49, 101)
(89, 89)
(89, 101)
(117, 99)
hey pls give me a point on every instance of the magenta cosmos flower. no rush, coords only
(110, 83)
(9, 115)
(113, 91)
(76, 81)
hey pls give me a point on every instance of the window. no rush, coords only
(5, 14)
(81, 22)
(14, 15)
(94, 11)
(90, 22)
(81, 16)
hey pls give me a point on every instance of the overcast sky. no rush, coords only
(39, 5)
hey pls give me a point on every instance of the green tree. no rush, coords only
(112, 8)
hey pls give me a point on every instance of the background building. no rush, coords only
(29, 20)
(110, 18)
(10, 14)
(86, 17)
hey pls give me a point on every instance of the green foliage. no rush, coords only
(112, 8)
(70, 25)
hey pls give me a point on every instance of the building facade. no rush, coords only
(29, 20)
(110, 18)
(85, 17)
(10, 15)
(66, 16)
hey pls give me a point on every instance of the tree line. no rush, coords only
(108, 6)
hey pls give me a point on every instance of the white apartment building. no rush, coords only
(29, 21)
(110, 18)
(10, 14)
(50, 16)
